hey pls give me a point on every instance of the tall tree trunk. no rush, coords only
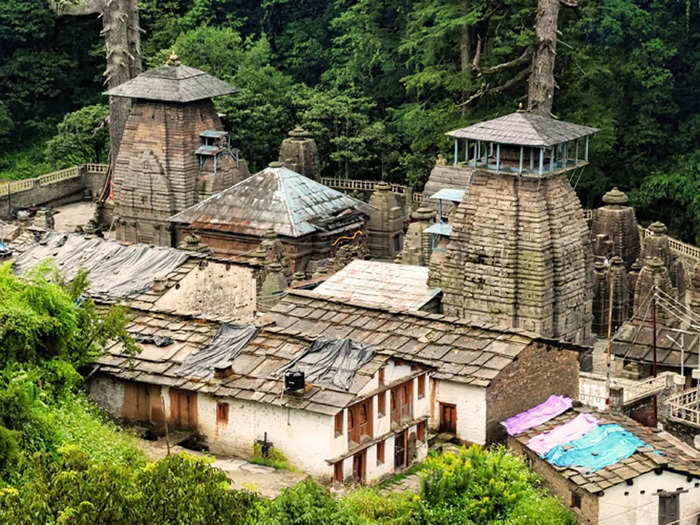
(465, 57)
(541, 86)
(122, 34)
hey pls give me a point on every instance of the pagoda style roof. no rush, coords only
(275, 198)
(173, 82)
(524, 128)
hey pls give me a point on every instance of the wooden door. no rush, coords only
(400, 450)
(136, 405)
(359, 463)
(183, 408)
(448, 418)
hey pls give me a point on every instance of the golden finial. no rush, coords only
(173, 60)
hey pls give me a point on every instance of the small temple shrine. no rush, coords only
(519, 247)
(174, 150)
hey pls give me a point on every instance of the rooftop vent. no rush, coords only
(294, 381)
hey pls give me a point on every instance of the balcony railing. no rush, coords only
(685, 408)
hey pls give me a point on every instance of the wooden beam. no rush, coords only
(520, 170)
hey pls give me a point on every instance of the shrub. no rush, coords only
(371, 506)
(480, 486)
(275, 458)
(9, 450)
(306, 503)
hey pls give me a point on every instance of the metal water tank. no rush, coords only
(294, 380)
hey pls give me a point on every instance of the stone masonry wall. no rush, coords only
(157, 171)
(519, 256)
(539, 372)
(53, 194)
(558, 484)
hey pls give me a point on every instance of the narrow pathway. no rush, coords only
(267, 481)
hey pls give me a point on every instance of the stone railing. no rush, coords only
(592, 390)
(684, 408)
(676, 246)
(12, 187)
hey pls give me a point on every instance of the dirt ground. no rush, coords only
(70, 216)
(267, 481)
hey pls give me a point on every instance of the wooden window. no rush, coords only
(339, 424)
(669, 508)
(338, 472)
(360, 421)
(420, 431)
(380, 452)
(380, 376)
(381, 404)
(222, 413)
(575, 500)
(421, 386)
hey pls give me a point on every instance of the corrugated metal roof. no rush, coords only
(449, 194)
(373, 282)
(524, 128)
(173, 83)
(439, 229)
(275, 198)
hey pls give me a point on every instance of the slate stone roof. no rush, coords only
(642, 461)
(253, 369)
(459, 351)
(173, 83)
(524, 128)
(633, 341)
(380, 283)
(275, 198)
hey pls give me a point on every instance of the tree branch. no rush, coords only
(570, 3)
(522, 59)
(485, 89)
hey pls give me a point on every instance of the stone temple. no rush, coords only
(519, 252)
(174, 151)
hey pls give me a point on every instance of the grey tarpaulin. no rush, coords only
(227, 344)
(114, 270)
(332, 362)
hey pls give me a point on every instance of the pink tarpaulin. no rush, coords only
(543, 412)
(574, 429)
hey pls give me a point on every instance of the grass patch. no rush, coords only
(79, 422)
(275, 459)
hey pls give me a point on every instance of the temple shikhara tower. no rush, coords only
(174, 151)
(519, 251)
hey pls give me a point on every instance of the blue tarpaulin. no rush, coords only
(602, 446)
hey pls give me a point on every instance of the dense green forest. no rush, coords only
(379, 82)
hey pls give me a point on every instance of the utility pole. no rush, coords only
(608, 379)
(653, 344)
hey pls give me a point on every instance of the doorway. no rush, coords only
(359, 464)
(448, 418)
(400, 450)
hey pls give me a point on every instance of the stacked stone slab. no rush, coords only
(446, 176)
(518, 256)
(617, 223)
(519, 253)
(653, 275)
(385, 231)
(695, 287)
(657, 245)
(417, 246)
(157, 172)
(300, 153)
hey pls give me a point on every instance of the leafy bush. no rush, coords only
(83, 136)
(368, 505)
(9, 450)
(481, 486)
(307, 503)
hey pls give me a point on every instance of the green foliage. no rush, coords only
(368, 505)
(9, 450)
(83, 137)
(275, 458)
(41, 318)
(480, 486)
(24, 163)
(306, 503)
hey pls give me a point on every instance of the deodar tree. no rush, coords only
(122, 34)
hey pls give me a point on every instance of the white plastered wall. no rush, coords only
(471, 409)
(303, 437)
(635, 508)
